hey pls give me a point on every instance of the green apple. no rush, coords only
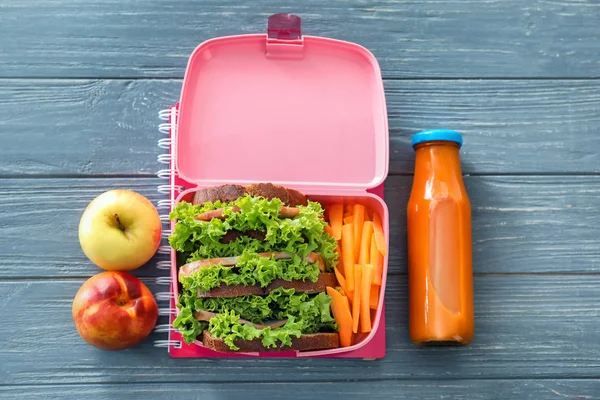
(120, 230)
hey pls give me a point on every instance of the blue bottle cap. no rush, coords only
(437, 134)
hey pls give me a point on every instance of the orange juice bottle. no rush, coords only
(440, 277)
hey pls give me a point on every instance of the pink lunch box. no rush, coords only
(302, 111)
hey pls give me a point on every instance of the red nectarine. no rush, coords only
(114, 310)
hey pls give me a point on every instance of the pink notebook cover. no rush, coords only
(177, 348)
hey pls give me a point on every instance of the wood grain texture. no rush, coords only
(39, 222)
(542, 389)
(537, 336)
(92, 127)
(526, 328)
(525, 127)
(58, 127)
(520, 224)
(496, 38)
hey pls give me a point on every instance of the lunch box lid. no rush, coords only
(285, 108)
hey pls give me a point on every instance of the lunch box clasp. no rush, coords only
(284, 37)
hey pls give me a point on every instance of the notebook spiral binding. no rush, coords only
(165, 206)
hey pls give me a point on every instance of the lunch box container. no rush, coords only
(302, 111)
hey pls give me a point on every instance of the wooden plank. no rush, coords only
(39, 224)
(81, 127)
(423, 38)
(541, 389)
(521, 224)
(535, 224)
(526, 327)
(548, 223)
(523, 126)
(110, 126)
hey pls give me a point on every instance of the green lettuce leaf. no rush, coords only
(301, 235)
(251, 308)
(313, 313)
(251, 269)
(189, 327)
(226, 326)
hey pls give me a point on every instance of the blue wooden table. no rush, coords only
(82, 81)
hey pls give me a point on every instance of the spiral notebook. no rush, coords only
(173, 340)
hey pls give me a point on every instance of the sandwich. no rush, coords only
(253, 265)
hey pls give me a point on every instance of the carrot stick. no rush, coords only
(342, 281)
(347, 303)
(348, 255)
(374, 297)
(340, 278)
(359, 219)
(348, 219)
(338, 250)
(365, 243)
(365, 294)
(356, 297)
(378, 232)
(335, 219)
(341, 313)
(328, 230)
(376, 259)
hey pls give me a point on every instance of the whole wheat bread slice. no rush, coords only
(325, 279)
(313, 341)
(228, 193)
(232, 291)
(225, 193)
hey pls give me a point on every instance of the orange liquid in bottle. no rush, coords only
(440, 274)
